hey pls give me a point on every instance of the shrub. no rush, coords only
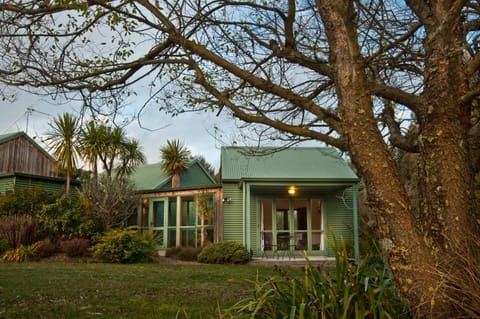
(346, 291)
(226, 252)
(173, 252)
(44, 248)
(26, 201)
(125, 246)
(75, 247)
(3, 246)
(18, 255)
(183, 253)
(65, 219)
(18, 230)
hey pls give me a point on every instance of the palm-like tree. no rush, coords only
(175, 158)
(92, 143)
(112, 148)
(131, 155)
(62, 142)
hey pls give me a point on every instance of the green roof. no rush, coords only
(296, 163)
(10, 136)
(151, 177)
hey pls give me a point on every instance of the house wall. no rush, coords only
(339, 218)
(232, 212)
(21, 156)
(15, 182)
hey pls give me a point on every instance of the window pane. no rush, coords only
(158, 209)
(172, 237)
(282, 207)
(172, 213)
(188, 238)
(266, 209)
(316, 214)
(158, 235)
(188, 213)
(316, 240)
(300, 214)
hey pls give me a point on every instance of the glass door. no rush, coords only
(283, 224)
(157, 220)
(300, 225)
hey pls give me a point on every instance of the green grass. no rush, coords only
(90, 290)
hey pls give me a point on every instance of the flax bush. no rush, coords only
(18, 255)
(343, 291)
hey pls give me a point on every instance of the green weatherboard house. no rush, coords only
(280, 203)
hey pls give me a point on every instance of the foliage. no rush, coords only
(66, 218)
(110, 202)
(18, 255)
(4, 246)
(346, 291)
(44, 248)
(175, 158)
(125, 246)
(75, 247)
(110, 146)
(18, 230)
(63, 142)
(226, 252)
(26, 201)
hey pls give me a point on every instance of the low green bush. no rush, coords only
(344, 291)
(65, 219)
(18, 230)
(125, 246)
(4, 246)
(44, 248)
(226, 252)
(18, 255)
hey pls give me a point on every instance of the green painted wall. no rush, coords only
(232, 212)
(339, 218)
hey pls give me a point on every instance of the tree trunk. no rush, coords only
(176, 179)
(447, 205)
(411, 260)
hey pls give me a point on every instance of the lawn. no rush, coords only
(95, 290)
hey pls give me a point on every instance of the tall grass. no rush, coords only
(344, 291)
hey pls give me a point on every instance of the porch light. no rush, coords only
(292, 190)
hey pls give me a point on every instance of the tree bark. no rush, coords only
(410, 259)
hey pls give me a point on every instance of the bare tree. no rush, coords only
(110, 201)
(352, 74)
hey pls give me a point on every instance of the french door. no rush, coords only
(291, 224)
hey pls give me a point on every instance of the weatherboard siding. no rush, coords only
(19, 155)
(339, 218)
(232, 212)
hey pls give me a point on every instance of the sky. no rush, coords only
(196, 130)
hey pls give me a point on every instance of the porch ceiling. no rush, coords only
(300, 190)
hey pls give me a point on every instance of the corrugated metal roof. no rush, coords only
(10, 136)
(152, 177)
(296, 163)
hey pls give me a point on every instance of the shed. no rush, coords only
(24, 163)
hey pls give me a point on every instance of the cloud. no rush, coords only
(32, 113)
